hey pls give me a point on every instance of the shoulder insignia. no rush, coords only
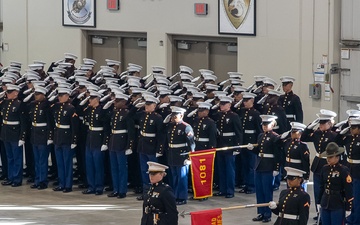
(306, 153)
(348, 179)
(52, 105)
(74, 115)
(190, 134)
(307, 204)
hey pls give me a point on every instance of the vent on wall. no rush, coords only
(183, 45)
(142, 42)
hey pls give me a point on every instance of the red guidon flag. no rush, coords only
(202, 168)
(205, 217)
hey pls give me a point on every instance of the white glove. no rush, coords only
(187, 162)
(285, 134)
(313, 124)
(21, 143)
(104, 148)
(163, 105)
(236, 153)
(49, 142)
(158, 155)
(275, 173)
(128, 152)
(344, 131)
(347, 213)
(192, 113)
(72, 146)
(215, 106)
(272, 205)
(140, 105)
(167, 119)
(250, 146)
(318, 207)
(339, 124)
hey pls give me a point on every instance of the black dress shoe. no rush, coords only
(15, 184)
(275, 188)
(229, 196)
(30, 180)
(58, 189)
(258, 218)
(315, 218)
(113, 194)
(122, 195)
(242, 190)
(140, 198)
(98, 192)
(82, 186)
(109, 189)
(219, 194)
(42, 186)
(266, 220)
(181, 202)
(2, 177)
(6, 183)
(87, 192)
(34, 186)
(67, 190)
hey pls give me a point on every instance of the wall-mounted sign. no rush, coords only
(113, 5)
(201, 8)
(79, 13)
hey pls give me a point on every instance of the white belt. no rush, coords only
(290, 160)
(355, 161)
(318, 155)
(249, 131)
(11, 122)
(264, 155)
(177, 145)
(202, 139)
(276, 127)
(119, 131)
(81, 117)
(62, 126)
(289, 216)
(290, 116)
(39, 124)
(96, 128)
(147, 134)
(229, 134)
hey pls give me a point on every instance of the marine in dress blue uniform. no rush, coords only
(294, 203)
(13, 133)
(336, 195)
(320, 137)
(267, 165)
(65, 138)
(96, 143)
(159, 206)
(41, 136)
(251, 128)
(151, 138)
(121, 144)
(180, 139)
(290, 101)
(351, 142)
(229, 134)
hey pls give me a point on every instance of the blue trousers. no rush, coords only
(332, 217)
(95, 169)
(41, 155)
(144, 158)
(226, 163)
(264, 191)
(248, 160)
(354, 218)
(64, 159)
(119, 171)
(14, 155)
(179, 181)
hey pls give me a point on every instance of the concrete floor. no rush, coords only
(22, 205)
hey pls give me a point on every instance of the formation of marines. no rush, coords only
(115, 123)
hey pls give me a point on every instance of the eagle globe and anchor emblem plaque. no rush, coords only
(236, 11)
(79, 11)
